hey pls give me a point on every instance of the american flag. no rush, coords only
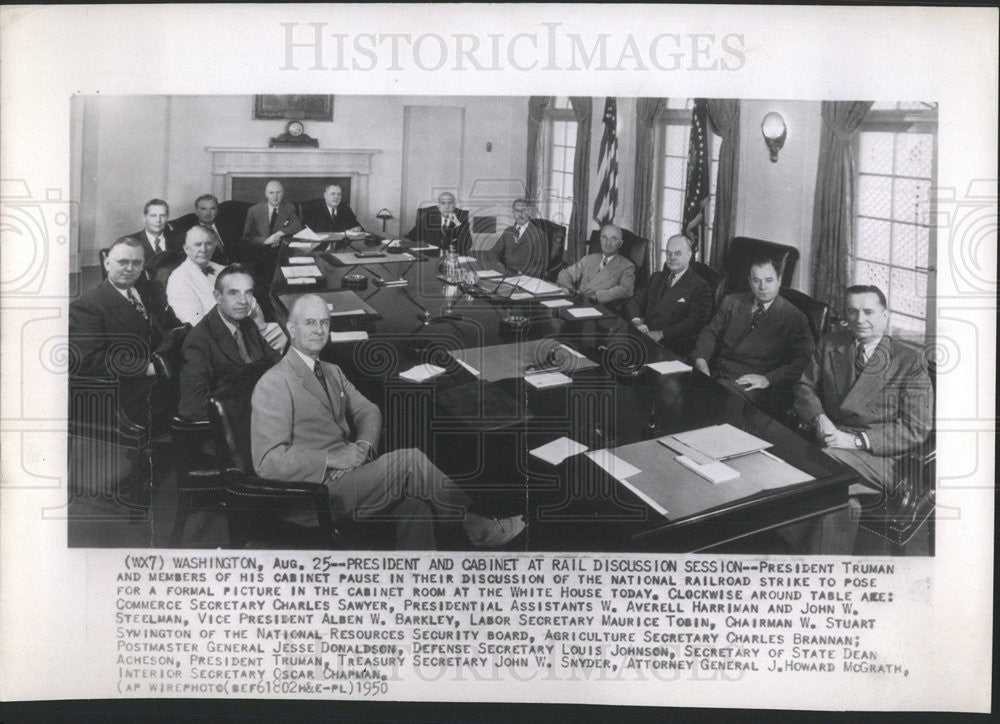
(606, 202)
(696, 189)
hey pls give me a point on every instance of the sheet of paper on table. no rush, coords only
(713, 472)
(488, 274)
(535, 285)
(722, 441)
(555, 303)
(548, 379)
(291, 272)
(422, 373)
(353, 336)
(300, 260)
(472, 370)
(584, 312)
(308, 234)
(558, 450)
(302, 281)
(345, 312)
(613, 465)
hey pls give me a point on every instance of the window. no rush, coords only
(675, 138)
(894, 239)
(557, 201)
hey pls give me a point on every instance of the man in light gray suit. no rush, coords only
(309, 423)
(605, 277)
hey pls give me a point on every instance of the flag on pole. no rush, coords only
(697, 189)
(606, 202)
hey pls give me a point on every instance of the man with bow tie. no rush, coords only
(224, 345)
(311, 424)
(601, 278)
(676, 303)
(758, 342)
(330, 213)
(115, 327)
(191, 286)
(443, 225)
(158, 241)
(522, 248)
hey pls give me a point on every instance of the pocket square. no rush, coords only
(682, 299)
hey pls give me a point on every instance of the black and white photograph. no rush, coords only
(615, 356)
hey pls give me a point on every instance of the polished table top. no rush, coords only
(479, 432)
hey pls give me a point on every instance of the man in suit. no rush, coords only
(191, 287)
(267, 223)
(443, 225)
(227, 238)
(867, 395)
(677, 303)
(601, 278)
(330, 214)
(156, 237)
(310, 423)
(115, 327)
(758, 342)
(522, 248)
(868, 399)
(224, 345)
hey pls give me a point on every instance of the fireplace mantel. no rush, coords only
(228, 162)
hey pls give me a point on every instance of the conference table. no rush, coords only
(479, 419)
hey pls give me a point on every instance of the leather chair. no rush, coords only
(253, 501)
(199, 482)
(633, 247)
(715, 279)
(743, 250)
(556, 235)
(818, 313)
(167, 360)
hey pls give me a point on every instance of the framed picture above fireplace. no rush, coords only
(293, 107)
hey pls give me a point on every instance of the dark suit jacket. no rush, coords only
(111, 340)
(680, 311)
(891, 402)
(173, 241)
(427, 230)
(212, 359)
(255, 228)
(528, 255)
(778, 348)
(316, 216)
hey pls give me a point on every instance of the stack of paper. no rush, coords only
(300, 260)
(303, 245)
(421, 373)
(344, 312)
(488, 274)
(348, 336)
(714, 472)
(584, 312)
(668, 367)
(535, 285)
(292, 272)
(548, 379)
(722, 441)
(558, 450)
(556, 303)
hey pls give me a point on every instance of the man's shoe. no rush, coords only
(496, 532)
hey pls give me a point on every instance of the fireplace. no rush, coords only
(241, 173)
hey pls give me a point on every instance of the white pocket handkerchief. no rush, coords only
(682, 299)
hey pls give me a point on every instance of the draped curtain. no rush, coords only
(583, 109)
(833, 206)
(724, 117)
(643, 201)
(537, 105)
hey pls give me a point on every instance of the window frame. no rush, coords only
(547, 202)
(898, 121)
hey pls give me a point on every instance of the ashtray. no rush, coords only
(354, 281)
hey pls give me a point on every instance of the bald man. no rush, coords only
(443, 225)
(309, 423)
(267, 223)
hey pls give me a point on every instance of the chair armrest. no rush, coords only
(248, 486)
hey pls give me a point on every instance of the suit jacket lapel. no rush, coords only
(127, 315)
(308, 378)
(869, 383)
(222, 335)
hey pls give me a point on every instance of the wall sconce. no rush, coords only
(774, 130)
(385, 215)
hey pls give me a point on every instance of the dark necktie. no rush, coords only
(274, 221)
(207, 270)
(758, 312)
(333, 213)
(241, 345)
(158, 244)
(604, 262)
(859, 361)
(133, 296)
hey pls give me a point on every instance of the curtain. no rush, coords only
(646, 112)
(576, 245)
(833, 205)
(724, 117)
(537, 105)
